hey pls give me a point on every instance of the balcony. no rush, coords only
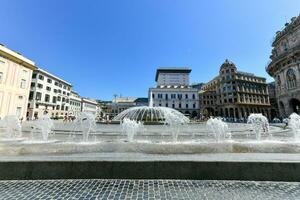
(281, 56)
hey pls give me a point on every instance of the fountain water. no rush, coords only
(130, 128)
(219, 129)
(12, 126)
(259, 124)
(157, 115)
(85, 122)
(294, 124)
(43, 125)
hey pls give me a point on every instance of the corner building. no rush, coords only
(234, 94)
(284, 67)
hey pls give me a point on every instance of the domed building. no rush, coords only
(284, 67)
(234, 94)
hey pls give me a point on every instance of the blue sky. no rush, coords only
(106, 47)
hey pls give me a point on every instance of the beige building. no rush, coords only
(285, 67)
(89, 106)
(15, 79)
(234, 94)
(75, 104)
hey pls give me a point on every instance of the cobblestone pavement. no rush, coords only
(147, 189)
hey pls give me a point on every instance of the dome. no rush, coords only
(152, 114)
(227, 65)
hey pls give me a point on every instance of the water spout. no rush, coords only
(130, 128)
(218, 128)
(294, 124)
(259, 124)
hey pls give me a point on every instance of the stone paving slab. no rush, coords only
(147, 189)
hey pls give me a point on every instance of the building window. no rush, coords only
(49, 80)
(47, 98)
(167, 97)
(31, 93)
(38, 96)
(173, 105)
(179, 105)
(18, 111)
(54, 99)
(186, 96)
(194, 96)
(23, 84)
(34, 75)
(48, 88)
(186, 105)
(291, 78)
(41, 77)
(167, 105)
(40, 85)
(20, 97)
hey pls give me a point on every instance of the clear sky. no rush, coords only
(106, 47)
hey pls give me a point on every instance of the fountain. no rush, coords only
(218, 128)
(259, 124)
(12, 127)
(130, 128)
(155, 115)
(294, 124)
(85, 122)
(42, 127)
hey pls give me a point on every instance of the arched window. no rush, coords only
(291, 78)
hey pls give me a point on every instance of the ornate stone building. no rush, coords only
(234, 94)
(285, 67)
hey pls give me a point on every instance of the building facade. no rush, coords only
(48, 94)
(15, 79)
(284, 67)
(89, 106)
(75, 104)
(273, 100)
(234, 94)
(173, 90)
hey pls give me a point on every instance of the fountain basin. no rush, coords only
(224, 166)
(67, 148)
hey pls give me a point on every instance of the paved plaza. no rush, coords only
(147, 189)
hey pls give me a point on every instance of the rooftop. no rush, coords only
(53, 76)
(16, 57)
(172, 70)
(295, 22)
